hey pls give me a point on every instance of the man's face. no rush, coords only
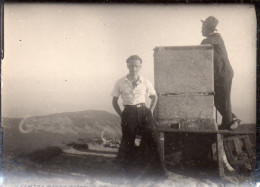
(134, 67)
(204, 30)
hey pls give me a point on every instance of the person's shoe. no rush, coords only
(234, 124)
(222, 127)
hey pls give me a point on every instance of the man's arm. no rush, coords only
(154, 99)
(206, 41)
(116, 106)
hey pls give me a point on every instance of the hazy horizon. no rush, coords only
(67, 57)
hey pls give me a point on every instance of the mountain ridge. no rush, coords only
(37, 132)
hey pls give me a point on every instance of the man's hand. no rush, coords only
(151, 109)
(116, 106)
(154, 99)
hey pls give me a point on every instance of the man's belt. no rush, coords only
(137, 105)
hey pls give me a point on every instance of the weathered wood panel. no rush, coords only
(185, 85)
(183, 69)
(189, 111)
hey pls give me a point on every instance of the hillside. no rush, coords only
(37, 132)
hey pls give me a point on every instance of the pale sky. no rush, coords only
(67, 57)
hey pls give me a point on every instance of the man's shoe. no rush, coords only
(234, 124)
(222, 127)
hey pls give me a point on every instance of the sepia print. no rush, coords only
(129, 95)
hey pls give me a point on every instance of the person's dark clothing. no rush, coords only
(138, 121)
(223, 75)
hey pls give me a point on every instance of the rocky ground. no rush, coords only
(94, 165)
(53, 151)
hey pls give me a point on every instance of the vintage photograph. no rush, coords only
(129, 95)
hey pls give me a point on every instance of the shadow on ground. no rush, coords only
(53, 166)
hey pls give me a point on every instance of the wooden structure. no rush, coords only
(239, 150)
(185, 85)
(220, 148)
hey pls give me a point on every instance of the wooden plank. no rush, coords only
(248, 146)
(187, 47)
(237, 147)
(181, 94)
(168, 129)
(231, 148)
(239, 162)
(228, 151)
(220, 151)
(250, 152)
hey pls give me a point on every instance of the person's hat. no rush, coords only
(133, 57)
(211, 22)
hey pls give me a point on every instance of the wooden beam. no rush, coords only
(163, 129)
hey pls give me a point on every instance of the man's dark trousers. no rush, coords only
(138, 120)
(223, 74)
(222, 100)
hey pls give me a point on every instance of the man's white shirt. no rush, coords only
(131, 95)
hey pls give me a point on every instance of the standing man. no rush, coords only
(223, 74)
(136, 118)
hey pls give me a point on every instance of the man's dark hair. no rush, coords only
(133, 57)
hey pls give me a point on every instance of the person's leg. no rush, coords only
(230, 119)
(235, 122)
(143, 147)
(126, 149)
(228, 109)
(223, 102)
(152, 139)
(220, 102)
(130, 148)
(123, 144)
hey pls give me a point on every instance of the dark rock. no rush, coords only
(44, 154)
(79, 146)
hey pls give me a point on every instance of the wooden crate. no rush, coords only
(239, 150)
(185, 85)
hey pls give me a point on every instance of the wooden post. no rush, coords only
(220, 155)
